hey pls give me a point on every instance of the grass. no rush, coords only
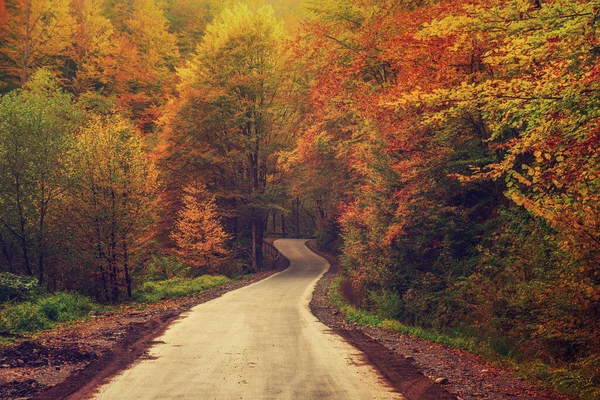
(575, 380)
(363, 317)
(151, 292)
(44, 312)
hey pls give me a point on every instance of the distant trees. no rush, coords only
(39, 35)
(233, 117)
(92, 46)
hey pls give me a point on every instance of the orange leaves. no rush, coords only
(199, 234)
(39, 33)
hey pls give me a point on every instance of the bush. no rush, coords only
(17, 288)
(65, 306)
(388, 304)
(328, 238)
(151, 292)
(166, 267)
(44, 313)
(25, 317)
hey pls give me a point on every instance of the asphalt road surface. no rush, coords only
(257, 342)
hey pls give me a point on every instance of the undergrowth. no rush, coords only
(44, 312)
(572, 380)
(151, 292)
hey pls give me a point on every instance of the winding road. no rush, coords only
(257, 342)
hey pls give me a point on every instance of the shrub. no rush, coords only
(44, 313)
(388, 304)
(166, 267)
(328, 238)
(151, 292)
(17, 288)
(65, 306)
(25, 317)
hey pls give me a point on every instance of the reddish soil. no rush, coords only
(70, 361)
(412, 364)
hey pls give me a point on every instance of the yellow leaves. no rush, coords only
(150, 32)
(92, 44)
(39, 30)
(242, 24)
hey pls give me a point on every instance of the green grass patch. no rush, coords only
(151, 292)
(580, 381)
(44, 313)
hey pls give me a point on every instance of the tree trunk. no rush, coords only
(41, 249)
(258, 234)
(8, 255)
(126, 268)
(298, 217)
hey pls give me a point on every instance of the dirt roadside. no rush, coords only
(70, 361)
(412, 364)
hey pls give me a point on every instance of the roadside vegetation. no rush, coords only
(26, 309)
(151, 292)
(446, 150)
(577, 381)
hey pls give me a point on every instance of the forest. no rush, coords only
(447, 151)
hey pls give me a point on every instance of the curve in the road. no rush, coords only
(258, 342)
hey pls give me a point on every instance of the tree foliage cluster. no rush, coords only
(137, 134)
(461, 140)
(448, 150)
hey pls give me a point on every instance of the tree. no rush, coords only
(199, 234)
(233, 114)
(40, 32)
(92, 46)
(36, 130)
(150, 32)
(110, 202)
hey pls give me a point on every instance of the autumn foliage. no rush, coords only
(198, 233)
(448, 151)
(467, 136)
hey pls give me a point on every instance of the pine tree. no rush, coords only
(199, 234)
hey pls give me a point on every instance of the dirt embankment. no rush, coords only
(412, 364)
(70, 361)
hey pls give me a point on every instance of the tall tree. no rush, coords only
(36, 130)
(92, 46)
(40, 33)
(234, 114)
(110, 202)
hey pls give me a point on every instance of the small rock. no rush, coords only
(410, 358)
(483, 371)
(5, 365)
(441, 381)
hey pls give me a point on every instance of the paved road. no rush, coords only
(257, 342)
